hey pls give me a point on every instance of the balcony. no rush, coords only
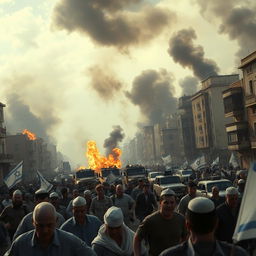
(235, 127)
(6, 158)
(239, 145)
(250, 100)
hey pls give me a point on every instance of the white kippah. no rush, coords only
(79, 201)
(41, 191)
(17, 192)
(114, 217)
(168, 192)
(54, 194)
(231, 191)
(241, 181)
(201, 205)
(87, 192)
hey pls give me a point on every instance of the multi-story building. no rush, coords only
(149, 145)
(187, 128)
(208, 117)
(5, 159)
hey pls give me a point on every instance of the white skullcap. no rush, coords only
(41, 191)
(79, 201)
(87, 192)
(114, 217)
(201, 205)
(231, 191)
(167, 192)
(17, 192)
(54, 194)
(241, 181)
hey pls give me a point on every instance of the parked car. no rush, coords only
(205, 186)
(172, 182)
(134, 173)
(185, 175)
(152, 176)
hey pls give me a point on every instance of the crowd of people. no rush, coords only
(123, 220)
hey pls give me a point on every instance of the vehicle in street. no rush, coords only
(134, 173)
(152, 176)
(205, 186)
(105, 172)
(172, 182)
(85, 178)
(185, 175)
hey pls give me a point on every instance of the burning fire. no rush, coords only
(96, 161)
(30, 135)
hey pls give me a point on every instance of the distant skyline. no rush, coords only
(73, 71)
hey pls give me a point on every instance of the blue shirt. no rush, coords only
(86, 232)
(63, 244)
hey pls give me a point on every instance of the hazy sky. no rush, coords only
(78, 70)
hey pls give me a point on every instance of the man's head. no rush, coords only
(44, 221)
(232, 197)
(119, 190)
(41, 195)
(201, 217)
(113, 219)
(141, 183)
(64, 192)
(87, 195)
(146, 187)
(75, 193)
(79, 209)
(215, 192)
(241, 185)
(167, 203)
(192, 188)
(99, 190)
(17, 198)
(54, 199)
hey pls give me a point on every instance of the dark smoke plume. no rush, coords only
(183, 51)
(104, 83)
(111, 23)
(153, 92)
(114, 138)
(237, 20)
(189, 85)
(20, 117)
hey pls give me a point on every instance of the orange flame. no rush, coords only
(96, 161)
(30, 135)
(81, 168)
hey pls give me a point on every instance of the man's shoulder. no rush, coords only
(93, 218)
(68, 222)
(153, 216)
(177, 250)
(24, 237)
(228, 248)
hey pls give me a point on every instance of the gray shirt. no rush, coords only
(63, 244)
(26, 224)
(99, 207)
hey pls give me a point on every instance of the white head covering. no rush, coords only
(168, 192)
(231, 191)
(114, 217)
(87, 192)
(54, 194)
(201, 205)
(241, 181)
(17, 192)
(79, 201)
(41, 191)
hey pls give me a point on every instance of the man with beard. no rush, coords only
(161, 229)
(13, 214)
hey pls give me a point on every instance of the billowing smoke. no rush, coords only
(189, 85)
(112, 23)
(237, 20)
(183, 51)
(115, 137)
(104, 82)
(153, 92)
(20, 116)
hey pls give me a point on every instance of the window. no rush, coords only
(198, 106)
(250, 87)
(232, 137)
(249, 69)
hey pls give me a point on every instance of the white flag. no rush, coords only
(111, 178)
(14, 176)
(246, 222)
(44, 184)
(199, 163)
(167, 159)
(185, 165)
(215, 162)
(233, 161)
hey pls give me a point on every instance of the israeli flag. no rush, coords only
(14, 177)
(216, 162)
(44, 184)
(246, 222)
(167, 159)
(198, 163)
(233, 162)
(111, 178)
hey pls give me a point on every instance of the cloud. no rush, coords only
(184, 52)
(189, 85)
(112, 23)
(104, 82)
(153, 92)
(116, 136)
(237, 20)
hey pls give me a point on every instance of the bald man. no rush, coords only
(46, 239)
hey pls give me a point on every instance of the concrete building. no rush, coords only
(209, 119)
(240, 105)
(149, 151)
(5, 159)
(187, 128)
